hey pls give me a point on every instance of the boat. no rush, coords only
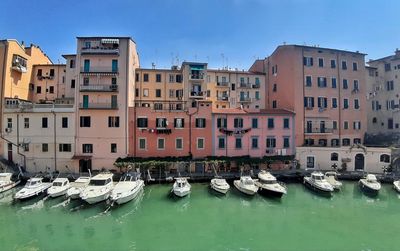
(99, 188)
(396, 185)
(370, 184)
(331, 177)
(59, 187)
(126, 189)
(181, 187)
(32, 188)
(246, 185)
(220, 185)
(77, 187)
(269, 186)
(318, 183)
(6, 182)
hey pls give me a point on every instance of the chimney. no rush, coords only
(23, 44)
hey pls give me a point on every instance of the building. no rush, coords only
(104, 74)
(353, 158)
(254, 133)
(383, 90)
(47, 83)
(166, 133)
(324, 87)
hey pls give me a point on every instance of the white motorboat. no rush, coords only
(99, 188)
(268, 185)
(59, 187)
(220, 185)
(6, 182)
(246, 185)
(331, 177)
(318, 183)
(32, 188)
(370, 184)
(77, 187)
(126, 189)
(396, 185)
(181, 187)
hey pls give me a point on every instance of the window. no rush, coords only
(309, 102)
(26, 122)
(275, 88)
(346, 142)
(179, 78)
(45, 147)
(158, 106)
(308, 61)
(38, 89)
(322, 102)
(257, 95)
(355, 66)
(141, 122)
(178, 143)
(390, 123)
(254, 123)
(356, 104)
(64, 147)
(200, 143)
(345, 84)
(271, 142)
(334, 83)
(145, 77)
(310, 162)
(87, 148)
(345, 103)
(334, 102)
(322, 82)
(270, 123)
(274, 104)
(113, 121)
(158, 93)
(238, 143)
(85, 121)
(200, 123)
(40, 72)
(346, 125)
(72, 83)
(308, 81)
(26, 147)
(9, 122)
(51, 89)
(344, 65)
(390, 85)
(254, 142)
(286, 142)
(160, 143)
(333, 63)
(158, 78)
(238, 123)
(286, 123)
(142, 143)
(171, 78)
(320, 62)
(137, 77)
(64, 122)
(221, 143)
(145, 92)
(385, 158)
(161, 122)
(233, 86)
(221, 122)
(334, 125)
(388, 67)
(179, 122)
(136, 92)
(51, 73)
(335, 142)
(44, 122)
(334, 156)
(72, 63)
(357, 141)
(113, 147)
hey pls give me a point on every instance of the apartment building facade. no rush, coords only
(325, 88)
(383, 90)
(47, 83)
(253, 132)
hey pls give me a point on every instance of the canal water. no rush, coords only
(299, 221)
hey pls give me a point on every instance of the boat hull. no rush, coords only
(243, 190)
(96, 199)
(127, 198)
(181, 193)
(219, 189)
(396, 186)
(30, 194)
(269, 193)
(57, 193)
(318, 190)
(368, 190)
(9, 186)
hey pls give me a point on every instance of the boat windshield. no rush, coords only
(57, 184)
(98, 182)
(32, 183)
(269, 181)
(248, 182)
(317, 177)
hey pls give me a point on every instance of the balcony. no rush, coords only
(256, 86)
(318, 130)
(19, 64)
(245, 99)
(199, 76)
(222, 84)
(100, 51)
(112, 71)
(98, 88)
(244, 85)
(196, 94)
(98, 106)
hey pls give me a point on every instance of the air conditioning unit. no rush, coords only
(8, 130)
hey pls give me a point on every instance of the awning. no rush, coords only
(110, 41)
(197, 67)
(78, 156)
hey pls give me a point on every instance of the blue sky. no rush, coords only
(220, 32)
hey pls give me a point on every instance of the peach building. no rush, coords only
(325, 88)
(253, 132)
(163, 133)
(104, 89)
(48, 83)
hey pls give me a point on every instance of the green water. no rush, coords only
(299, 221)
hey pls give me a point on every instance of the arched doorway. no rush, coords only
(359, 162)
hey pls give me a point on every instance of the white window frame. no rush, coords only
(158, 145)
(176, 145)
(145, 144)
(197, 143)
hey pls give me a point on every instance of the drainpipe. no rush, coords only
(55, 141)
(339, 102)
(303, 88)
(18, 152)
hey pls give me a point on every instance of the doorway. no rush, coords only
(10, 152)
(85, 165)
(359, 162)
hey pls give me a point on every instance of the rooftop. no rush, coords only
(252, 111)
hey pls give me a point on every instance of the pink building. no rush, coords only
(254, 133)
(174, 133)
